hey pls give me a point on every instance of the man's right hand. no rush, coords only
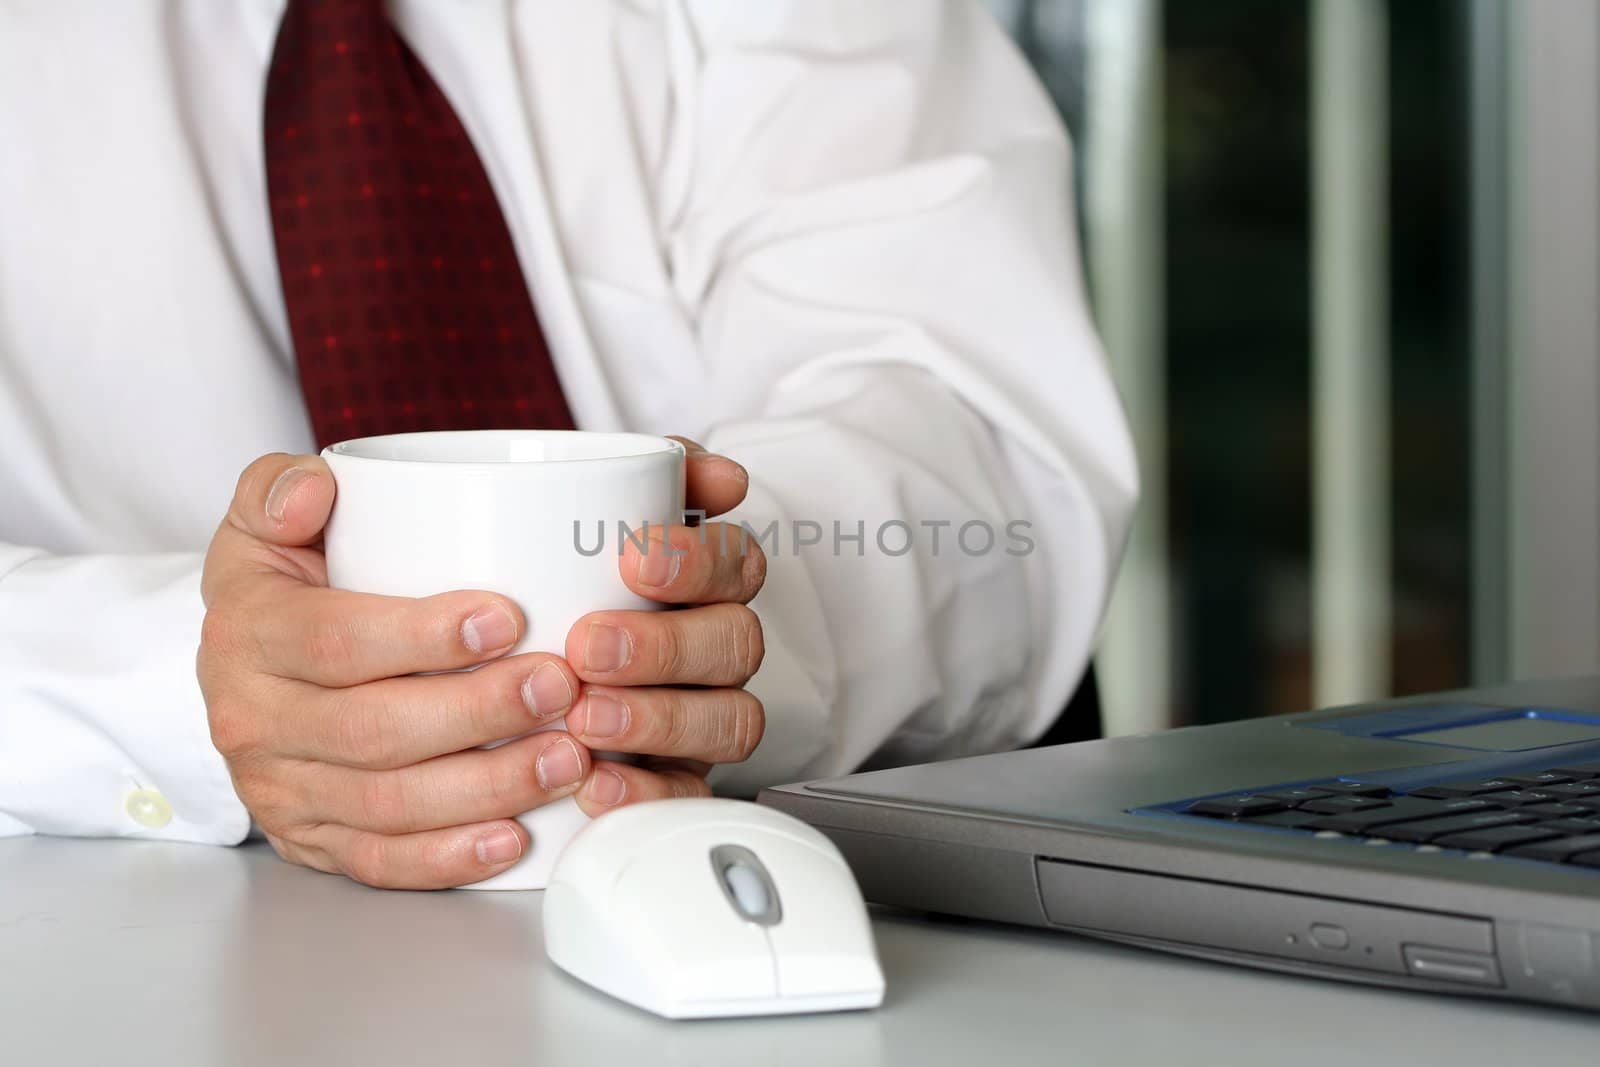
(346, 761)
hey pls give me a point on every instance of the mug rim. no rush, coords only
(646, 446)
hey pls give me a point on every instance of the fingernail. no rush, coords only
(658, 564)
(282, 489)
(489, 628)
(607, 788)
(559, 765)
(607, 649)
(604, 716)
(498, 847)
(546, 691)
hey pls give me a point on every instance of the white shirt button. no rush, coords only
(148, 807)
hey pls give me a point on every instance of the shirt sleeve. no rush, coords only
(868, 210)
(102, 727)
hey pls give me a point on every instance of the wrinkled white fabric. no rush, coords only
(830, 238)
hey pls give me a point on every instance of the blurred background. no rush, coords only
(1343, 257)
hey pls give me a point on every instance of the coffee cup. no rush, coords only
(539, 516)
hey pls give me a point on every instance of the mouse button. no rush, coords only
(781, 849)
(824, 943)
(587, 863)
(819, 955)
(610, 845)
(600, 850)
(696, 947)
(813, 841)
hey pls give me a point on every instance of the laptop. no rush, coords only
(1447, 843)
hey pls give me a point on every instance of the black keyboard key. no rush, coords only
(1295, 796)
(1573, 790)
(1579, 770)
(1573, 827)
(1291, 819)
(1357, 789)
(1586, 859)
(1557, 811)
(1401, 809)
(1538, 778)
(1557, 849)
(1516, 798)
(1428, 829)
(1236, 807)
(1494, 838)
(1339, 805)
(1467, 787)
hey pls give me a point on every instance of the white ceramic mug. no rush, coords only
(516, 512)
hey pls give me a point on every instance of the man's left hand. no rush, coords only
(669, 685)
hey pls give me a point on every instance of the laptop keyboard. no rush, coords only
(1550, 815)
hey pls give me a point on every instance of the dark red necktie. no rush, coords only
(406, 303)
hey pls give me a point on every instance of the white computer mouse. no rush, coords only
(700, 908)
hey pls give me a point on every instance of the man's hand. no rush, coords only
(347, 763)
(669, 685)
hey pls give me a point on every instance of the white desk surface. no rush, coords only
(128, 953)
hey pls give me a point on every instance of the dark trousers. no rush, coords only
(1080, 720)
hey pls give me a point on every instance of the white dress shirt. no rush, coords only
(832, 239)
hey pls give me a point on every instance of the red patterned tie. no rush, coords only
(406, 303)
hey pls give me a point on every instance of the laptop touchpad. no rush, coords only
(1470, 726)
(1510, 735)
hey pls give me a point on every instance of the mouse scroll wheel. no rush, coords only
(746, 884)
(749, 891)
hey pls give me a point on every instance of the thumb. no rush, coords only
(714, 483)
(281, 503)
(283, 499)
